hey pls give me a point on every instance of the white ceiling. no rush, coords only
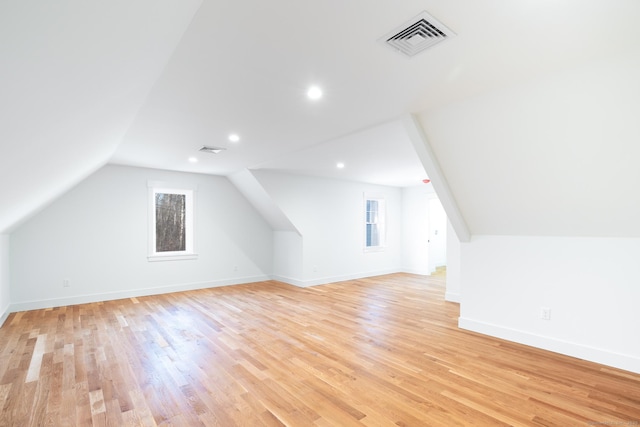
(245, 66)
(381, 154)
(148, 83)
(73, 75)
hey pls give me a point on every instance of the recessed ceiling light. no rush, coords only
(193, 159)
(314, 93)
(340, 165)
(234, 137)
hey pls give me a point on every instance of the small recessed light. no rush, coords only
(234, 137)
(193, 159)
(314, 93)
(340, 165)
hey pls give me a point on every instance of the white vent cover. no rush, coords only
(212, 150)
(416, 35)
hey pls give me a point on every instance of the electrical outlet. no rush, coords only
(65, 283)
(545, 313)
(235, 268)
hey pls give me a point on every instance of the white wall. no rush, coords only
(415, 228)
(454, 281)
(591, 286)
(288, 257)
(329, 216)
(77, 75)
(96, 237)
(437, 235)
(527, 159)
(5, 289)
(424, 230)
(248, 185)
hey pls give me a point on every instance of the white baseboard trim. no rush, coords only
(592, 354)
(109, 296)
(290, 281)
(452, 297)
(332, 279)
(4, 315)
(421, 272)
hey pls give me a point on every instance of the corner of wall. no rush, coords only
(454, 282)
(452, 296)
(5, 282)
(132, 293)
(585, 352)
(508, 280)
(95, 238)
(432, 167)
(4, 314)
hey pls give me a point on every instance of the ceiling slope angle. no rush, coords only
(238, 72)
(382, 154)
(150, 82)
(73, 76)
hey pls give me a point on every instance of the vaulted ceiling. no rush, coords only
(147, 83)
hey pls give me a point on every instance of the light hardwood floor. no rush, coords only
(382, 351)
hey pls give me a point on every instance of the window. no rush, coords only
(374, 238)
(170, 223)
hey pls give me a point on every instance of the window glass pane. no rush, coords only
(170, 222)
(372, 211)
(373, 235)
(374, 223)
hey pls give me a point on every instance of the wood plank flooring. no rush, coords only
(381, 351)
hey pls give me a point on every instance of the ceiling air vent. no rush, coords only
(212, 150)
(416, 35)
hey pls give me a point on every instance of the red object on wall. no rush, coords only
(426, 181)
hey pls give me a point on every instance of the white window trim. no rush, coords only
(382, 224)
(189, 253)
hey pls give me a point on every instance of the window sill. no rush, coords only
(373, 249)
(171, 257)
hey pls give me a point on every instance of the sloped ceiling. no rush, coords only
(557, 156)
(73, 75)
(389, 158)
(147, 83)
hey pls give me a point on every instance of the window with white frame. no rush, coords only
(374, 236)
(171, 224)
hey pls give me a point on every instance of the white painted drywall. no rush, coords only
(288, 257)
(415, 228)
(424, 230)
(74, 76)
(528, 159)
(591, 286)
(329, 215)
(251, 189)
(454, 283)
(437, 235)
(5, 277)
(96, 237)
(424, 150)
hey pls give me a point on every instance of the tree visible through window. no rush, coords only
(170, 222)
